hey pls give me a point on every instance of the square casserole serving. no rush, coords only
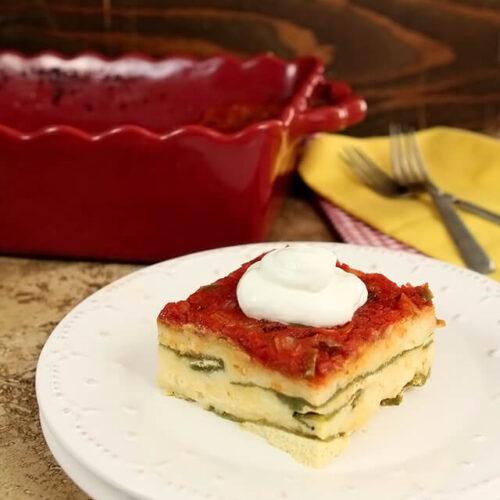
(304, 389)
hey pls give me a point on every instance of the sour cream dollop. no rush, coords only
(300, 284)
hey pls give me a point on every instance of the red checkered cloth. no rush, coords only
(353, 230)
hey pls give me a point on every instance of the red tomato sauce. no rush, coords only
(295, 350)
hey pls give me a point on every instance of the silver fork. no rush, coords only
(409, 169)
(374, 177)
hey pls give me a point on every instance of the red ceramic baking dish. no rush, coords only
(139, 159)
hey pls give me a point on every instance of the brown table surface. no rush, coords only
(34, 295)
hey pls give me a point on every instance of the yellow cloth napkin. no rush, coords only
(463, 163)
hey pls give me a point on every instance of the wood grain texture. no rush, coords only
(423, 62)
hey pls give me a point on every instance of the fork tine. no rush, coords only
(360, 173)
(379, 178)
(358, 168)
(417, 159)
(413, 170)
(407, 163)
(397, 156)
(370, 173)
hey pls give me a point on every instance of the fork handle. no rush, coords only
(470, 250)
(476, 209)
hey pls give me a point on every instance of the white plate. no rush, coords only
(93, 485)
(96, 389)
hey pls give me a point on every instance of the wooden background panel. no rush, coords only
(423, 62)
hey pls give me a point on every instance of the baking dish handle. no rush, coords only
(331, 107)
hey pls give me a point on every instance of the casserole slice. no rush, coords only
(304, 389)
